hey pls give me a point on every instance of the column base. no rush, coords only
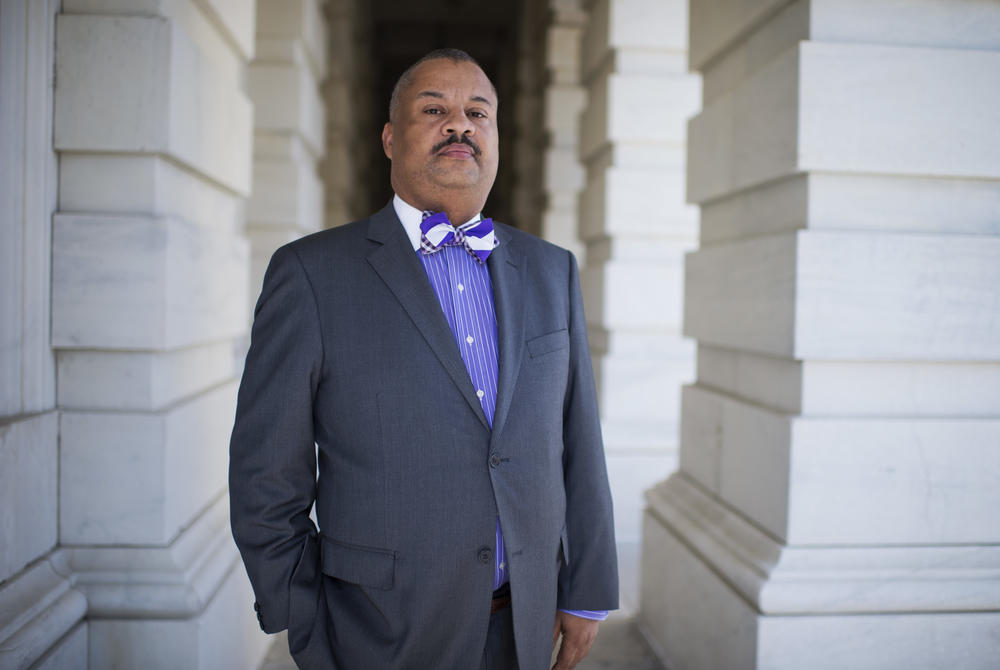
(717, 593)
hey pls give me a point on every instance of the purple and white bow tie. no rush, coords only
(436, 232)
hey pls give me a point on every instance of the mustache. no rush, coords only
(457, 139)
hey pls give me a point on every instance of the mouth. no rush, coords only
(457, 148)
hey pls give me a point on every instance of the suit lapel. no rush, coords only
(507, 267)
(398, 266)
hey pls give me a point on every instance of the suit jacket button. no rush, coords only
(485, 555)
(494, 460)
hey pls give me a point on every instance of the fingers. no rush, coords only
(578, 636)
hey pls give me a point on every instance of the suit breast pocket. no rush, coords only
(546, 344)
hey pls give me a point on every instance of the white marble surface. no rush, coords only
(141, 380)
(130, 83)
(123, 282)
(139, 477)
(149, 184)
(29, 497)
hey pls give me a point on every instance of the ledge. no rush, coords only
(795, 580)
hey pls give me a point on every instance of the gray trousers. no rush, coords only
(499, 653)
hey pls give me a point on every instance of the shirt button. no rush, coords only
(470, 339)
(494, 460)
(461, 288)
(485, 555)
(480, 393)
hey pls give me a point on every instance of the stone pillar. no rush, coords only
(149, 300)
(40, 614)
(353, 127)
(636, 228)
(837, 501)
(290, 61)
(563, 101)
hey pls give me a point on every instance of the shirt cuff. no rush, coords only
(593, 615)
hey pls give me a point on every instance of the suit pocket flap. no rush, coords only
(366, 566)
(544, 344)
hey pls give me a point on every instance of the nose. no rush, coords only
(458, 123)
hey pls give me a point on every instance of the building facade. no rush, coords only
(800, 396)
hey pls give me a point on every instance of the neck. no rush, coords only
(460, 207)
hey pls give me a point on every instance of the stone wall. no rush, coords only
(836, 502)
(152, 126)
(636, 228)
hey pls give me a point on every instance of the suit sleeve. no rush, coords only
(272, 459)
(588, 579)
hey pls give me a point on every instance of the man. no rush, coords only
(442, 379)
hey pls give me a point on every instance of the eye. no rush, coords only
(433, 110)
(477, 114)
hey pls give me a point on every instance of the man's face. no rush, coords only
(443, 141)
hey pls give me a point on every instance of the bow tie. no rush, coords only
(436, 232)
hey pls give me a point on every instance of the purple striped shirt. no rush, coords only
(463, 287)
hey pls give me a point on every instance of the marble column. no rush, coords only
(289, 64)
(353, 127)
(836, 505)
(563, 101)
(636, 228)
(41, 615)
(150, 265)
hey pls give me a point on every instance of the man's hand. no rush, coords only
(578, 634)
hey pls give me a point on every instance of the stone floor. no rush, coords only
(619, 646)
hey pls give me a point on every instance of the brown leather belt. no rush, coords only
(501, 599)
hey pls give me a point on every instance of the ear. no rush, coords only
(387, 139)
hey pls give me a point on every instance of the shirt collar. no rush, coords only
(411, 218)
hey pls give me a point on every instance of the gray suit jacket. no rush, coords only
(351, 352)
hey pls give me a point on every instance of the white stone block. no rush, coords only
(140, 380)
(844, 481)
(630, 473)
(145, 283)
(743, 295)
(775, 383)
(636, 199)
(287, 99)
(691, 618)
(850, 108)
(563, 106)
(562, 170)
(897, 297)
(639, 108)
(855, 202)
(28, 190)
(717, 24)
(224, 635)
(145, 184)
(69, 653)
(784, 28)
(893, 481)
(747, 136)
(644, 390)
(897, 110)
(40, 616)
(619, 295)
(238, 19)
(29, 499)
(902, 389)
(298, 20)
(287, 193)
(724, 569)
(140, 85)
(943, 24)
(138, 478)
